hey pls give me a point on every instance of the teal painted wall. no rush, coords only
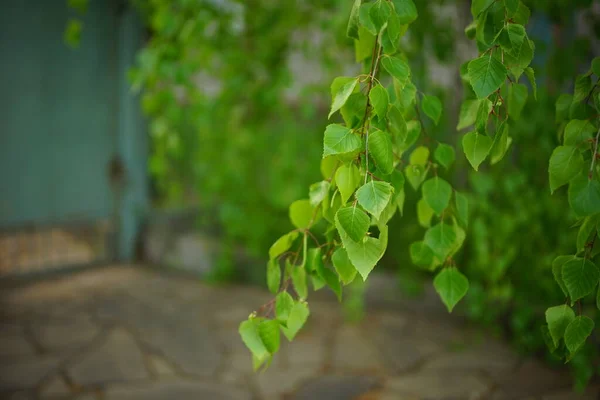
(64, 113)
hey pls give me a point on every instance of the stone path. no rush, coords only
(128, 333)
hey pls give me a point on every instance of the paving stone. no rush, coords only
(306, 351)
(190, 345)
(444, 334)
(23, 395)
(276, 382)
(531, 379)
(490, 356)
(56, 387)
(335, 388)
(451, 385)
(74, 331)
(395, 321)
(400, 349)
(591, 393)
(13, 342)
(353, 351)
(26, 373)
(179, 390)
(160, 366)
(117, 359)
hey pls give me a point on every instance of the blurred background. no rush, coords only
(174, 134)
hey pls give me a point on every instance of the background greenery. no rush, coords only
(237, 95)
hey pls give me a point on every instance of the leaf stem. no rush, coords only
(591, 174)
(372, 72)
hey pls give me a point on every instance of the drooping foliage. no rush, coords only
(485, 178)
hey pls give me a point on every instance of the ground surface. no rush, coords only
(126, 333)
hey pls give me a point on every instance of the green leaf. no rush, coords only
(328, 166)
(587, 227)
(298, 275)
(437, 193)
(406, 94)
(445, 155)
(398, 180)
(478, 6)
(476, 148)
(517, 97)
(578, 131)
(249, 332)
(354, 221)
(322, 275)
(419, 156)
(352, 30)
(565, 164)
(580, 277)
(548, 339)
(374, 196)
(558, 318)
(406, 10)
(317, 192)
(596, 66)
(512, 38)
(424, 213)
(451, 285)
(380, 149)
(397, 68)
(379, 13)
(347, 179)
(521, 16)
(577, 333)
(483, 115)
(530, 73)
(330, 207)
(584, 195)
(343, 266)
(283, 306)
(500, 145)
(298, 316)
(461, 235)
(380, 99)
(301, 213)
(432, 107)
(517, 62)
(440, 238)
(268, 331)
(583, 86)
(342, 94)
(72, 33)
(363, 47)
(273, 276)
(468, 114)
(394, 30)
(422, 255)
(340, 140)
(461, 203)
(282, 244)
(415, 174)
(364, 18)
(511, 6)
(598, 298)
(557, 265)
(563, 104)
(365, 254)
(81, 6)
(486, 75)
(409, 136)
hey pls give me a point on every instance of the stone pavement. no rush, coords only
(129, 333)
